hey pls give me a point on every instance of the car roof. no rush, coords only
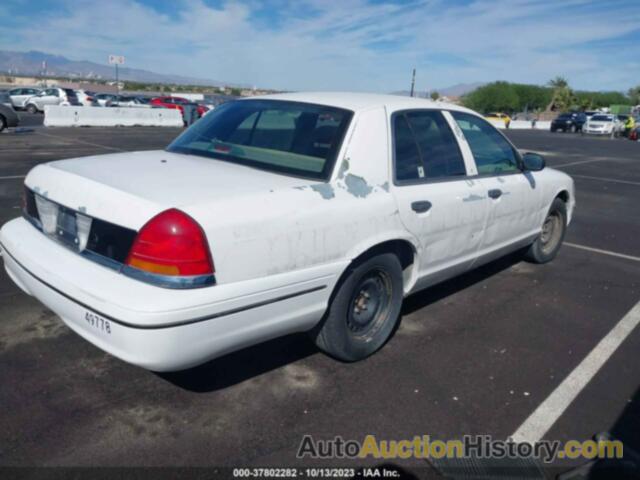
(360, 101)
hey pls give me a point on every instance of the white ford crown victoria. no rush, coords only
(278, 214)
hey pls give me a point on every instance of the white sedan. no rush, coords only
(279, 214)
(602, 124)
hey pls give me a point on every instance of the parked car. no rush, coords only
(499, 117)
(569, 122)
(178, 103)
(130, 101)
(602, 124)
(279, 214)
(19, 96)
(104, 99)
(51, 96)
(8, 116)
(85, 98)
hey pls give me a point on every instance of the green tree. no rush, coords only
(497, 96)
(434, 95)
(634, 95)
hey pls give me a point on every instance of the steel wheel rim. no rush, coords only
(551, 232)
(370, 303)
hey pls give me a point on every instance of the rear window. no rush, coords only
(293, 138)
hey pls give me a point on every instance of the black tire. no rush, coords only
(363, 311)
(574, 129)
(553, 129)
(3, 123)
(546, 246)
(32, 109)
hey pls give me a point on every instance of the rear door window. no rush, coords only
(425, 147)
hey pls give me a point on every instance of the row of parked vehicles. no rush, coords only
(595, 123)
(34, 100)
(590, 122)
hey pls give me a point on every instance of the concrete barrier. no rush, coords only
(496, 123)
(520, 124)
(67, 116)
(546, 125)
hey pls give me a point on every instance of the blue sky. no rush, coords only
(343, 45)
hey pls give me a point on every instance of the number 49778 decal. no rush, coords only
(98, 322)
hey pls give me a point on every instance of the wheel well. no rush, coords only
(564, 196)
(403, 249)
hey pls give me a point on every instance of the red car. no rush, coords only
(179, 103)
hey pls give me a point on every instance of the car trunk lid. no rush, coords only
(129, 188)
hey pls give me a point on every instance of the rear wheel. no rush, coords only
(364, 309)
(3, 123)
(548, 243)
(32, 109)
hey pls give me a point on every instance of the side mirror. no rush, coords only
(533, 162)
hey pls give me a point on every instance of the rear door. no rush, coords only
(513, 195)
(437, 202)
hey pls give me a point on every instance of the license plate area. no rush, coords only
(66, 226)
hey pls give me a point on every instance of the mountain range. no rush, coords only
(39, 63)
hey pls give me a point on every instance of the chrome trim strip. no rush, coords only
(168, 325)
(168, 281)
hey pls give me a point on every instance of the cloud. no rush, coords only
(348, 45)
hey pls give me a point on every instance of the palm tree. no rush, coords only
(558, 82)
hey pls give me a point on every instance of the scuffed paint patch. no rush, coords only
(357, 186)
(385, 186)
(473, 198)
(344, 167)
(325, 190)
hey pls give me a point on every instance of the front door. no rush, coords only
(512, 193)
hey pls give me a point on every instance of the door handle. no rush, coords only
(421, 206)
(495, 193)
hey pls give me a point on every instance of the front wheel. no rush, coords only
(32, 109)
(3, 123)
(364, 309)
(548, 243)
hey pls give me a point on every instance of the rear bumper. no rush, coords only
(156, 328)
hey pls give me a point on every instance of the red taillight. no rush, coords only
(171, 243)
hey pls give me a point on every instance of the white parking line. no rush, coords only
(615, 180)
(548, 412)
(562, 165)
(82, 141)
(10, 177)
(604, 252)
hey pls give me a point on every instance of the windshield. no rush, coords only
(601, 118)
(287, 137)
